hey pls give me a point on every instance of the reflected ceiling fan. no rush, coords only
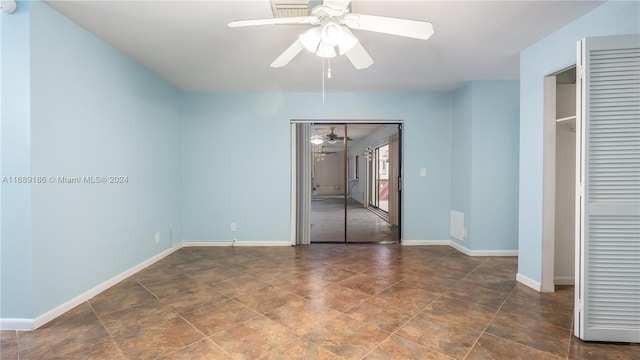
(332, 22)
(332, 137)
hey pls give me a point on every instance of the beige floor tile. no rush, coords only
(337, 297)
(239, 285)
(500, 282)
(155, 339)
(8, 345)
(407, 299)
(122, 296)
(378, 311)
(204, 349)
(490, 347)
(302, 349)
(267, 299)
(76, 334)
(470, 292)
(523, 329)
(171, 287)
(220, 316)
(332, 274)
(347, 337)
(303, 285)
(397, 347)
(192, 300)
(448, 326)
(257, 338)
(301, 315)
(367, 284)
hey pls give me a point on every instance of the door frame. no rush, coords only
(294, 201)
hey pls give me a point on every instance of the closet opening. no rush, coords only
(558, 257)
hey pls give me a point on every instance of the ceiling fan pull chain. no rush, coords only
(329, 69)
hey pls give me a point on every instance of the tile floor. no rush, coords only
(324, 301)
(327, 223)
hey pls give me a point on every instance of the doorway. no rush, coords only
(342, 204)
(558, 255)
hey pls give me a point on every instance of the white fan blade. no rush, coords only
(402, 27)
(288, 55)
(279, 21)
(337, 4)
(359, 57)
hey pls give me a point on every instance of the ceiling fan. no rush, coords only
(332, 22)
(332, 136)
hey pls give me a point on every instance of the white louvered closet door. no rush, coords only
(608, 201)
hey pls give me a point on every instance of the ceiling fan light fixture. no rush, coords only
(326, 51)
(331, 33)
(311, 39)
(316, 140)
(348, 41)
(332, 141)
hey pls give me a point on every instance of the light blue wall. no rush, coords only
(236, 159)
(16, 277)
(551, 54)
(96, 112)
(494, 206)
(484, 163)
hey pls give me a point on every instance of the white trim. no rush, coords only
(205, 243)
(461, 248)
(63, 308)
(16, 324)
(347, 121)
(528, 282)
(425, 242)
(564, 280)
(468, 252)
(293, 205)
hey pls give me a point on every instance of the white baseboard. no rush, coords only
(61, 309)
(425, 242)
(564, 280)
(461, 248)
(535, 285)
(237, 243)
(17, 324)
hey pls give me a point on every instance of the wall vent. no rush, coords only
(289, 8)
(457, 225)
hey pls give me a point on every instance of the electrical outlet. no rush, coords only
(233, 227)
(157, 237)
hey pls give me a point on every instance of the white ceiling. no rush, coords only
(189, 44)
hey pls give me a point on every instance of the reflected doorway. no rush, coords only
(378, 179)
